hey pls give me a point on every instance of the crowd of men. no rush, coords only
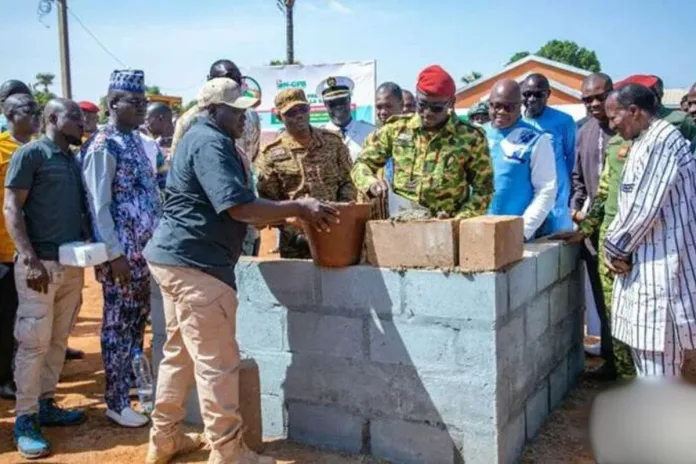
(173, 204)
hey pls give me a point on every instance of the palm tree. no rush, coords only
(44, 79)
(287, 7)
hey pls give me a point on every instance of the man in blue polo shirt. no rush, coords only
(192, 256)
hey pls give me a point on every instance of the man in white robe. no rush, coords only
(651, 244)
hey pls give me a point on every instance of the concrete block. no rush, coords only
(558, 383)
(411, 443)
(481, 297)
(325, 426)
(537, 316)
(432, 243)
(475, 349)
(537, 410)
(318, 379)
(570, 258)
(398, 342)
(327, 335)
(260, 329)
(377, 289)
(273, 414)
(265, 282)
(548, 256)
(540, 354)
(489, 243)
(250, 404)
(576, 288)
(576, 363)
(272, 370)
(559, 302)
(522, 282)
(511, 440)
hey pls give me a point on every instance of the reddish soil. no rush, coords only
(562, 438)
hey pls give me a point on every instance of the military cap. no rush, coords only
(479, 108)
(333, 88)
(287, 99)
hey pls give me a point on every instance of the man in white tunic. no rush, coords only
(651, 244)
(336, 94)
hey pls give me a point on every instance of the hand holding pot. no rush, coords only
(317, 214)
(379, 189)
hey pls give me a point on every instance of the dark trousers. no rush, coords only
(592, 263)
(8, 312)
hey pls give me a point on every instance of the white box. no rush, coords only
(82, 254)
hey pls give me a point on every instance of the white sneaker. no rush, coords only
(128, 418)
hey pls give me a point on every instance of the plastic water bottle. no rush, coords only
(143, 381)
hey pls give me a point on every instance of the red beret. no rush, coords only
(88, 107)
(640, 79)
(435, 82)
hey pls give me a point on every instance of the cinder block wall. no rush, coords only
(414, 366)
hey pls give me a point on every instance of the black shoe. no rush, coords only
(603, 373)
(8, 391)
(72, 353)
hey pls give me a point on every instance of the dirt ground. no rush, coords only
(562, 438)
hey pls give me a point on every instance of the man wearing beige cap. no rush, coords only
(192, 256)
(303, 161)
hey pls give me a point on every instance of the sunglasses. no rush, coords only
(534, 93)
(506, 107)
(601, 98)
(433, 107)
(296, 111)
(30, 110)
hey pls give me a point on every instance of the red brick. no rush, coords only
(489, 243)
(250, 404)
(416, 244)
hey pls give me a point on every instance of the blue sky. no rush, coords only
(175, 41)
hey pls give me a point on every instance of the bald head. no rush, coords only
(13, 87)
(225, 68)
(594, 91)
(159, 120)
(535, 93)
(598, 80)
(64, 122)
(505, 103)
(507, 90)
(158, 109)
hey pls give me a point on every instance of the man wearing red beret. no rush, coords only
(91, 112)
(441, 164)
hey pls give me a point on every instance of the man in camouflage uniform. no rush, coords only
(605, 206)
(303, 161)
(440, 162)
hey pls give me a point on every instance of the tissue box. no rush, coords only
(81, 254)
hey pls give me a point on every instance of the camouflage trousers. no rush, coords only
(623, 360)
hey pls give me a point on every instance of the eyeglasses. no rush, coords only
(506, 107)
(439, 107)
(591, 98)
(534, 93)
(296, 111)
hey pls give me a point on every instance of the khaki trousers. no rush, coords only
(200, 313)
(42, 328)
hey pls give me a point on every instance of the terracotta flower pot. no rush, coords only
(342, 246)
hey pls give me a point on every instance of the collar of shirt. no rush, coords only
(54, 148)
(313, 142)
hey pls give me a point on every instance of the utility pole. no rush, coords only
(64, 48)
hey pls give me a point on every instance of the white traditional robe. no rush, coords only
(656, 228)
(353, 136)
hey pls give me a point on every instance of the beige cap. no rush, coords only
(224, 91)
(287, 99)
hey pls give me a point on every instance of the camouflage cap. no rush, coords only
(287, 99)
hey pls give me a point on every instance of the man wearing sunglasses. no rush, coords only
(523, 161)
(440, 162)
(303, 161)
(336, 94)
(561, 128)
(124, 204)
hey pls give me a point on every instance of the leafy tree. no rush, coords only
(103, 111)
(287, 7)
(189, 105)
(281, 62)
(41, 88)
(152, 90)
(568, 52)
(471, 77)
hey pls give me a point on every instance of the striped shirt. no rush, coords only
(655, 228)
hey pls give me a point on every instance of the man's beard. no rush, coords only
(74, 141)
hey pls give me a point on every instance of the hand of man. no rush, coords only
(319, 215)
(379, 189)
(570, 236)
(578, 216)
(120, 270)
(617, 266)
(37, 275)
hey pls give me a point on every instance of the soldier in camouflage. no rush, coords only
(303, 161)
(440, 162)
